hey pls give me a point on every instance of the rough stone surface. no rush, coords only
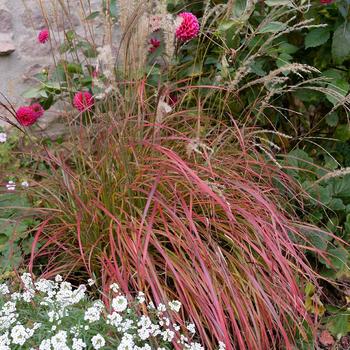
(21, 56)
(6, 48)
(5, 21)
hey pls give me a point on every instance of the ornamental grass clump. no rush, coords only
(54, 315)
(179, 213)
(158, 186)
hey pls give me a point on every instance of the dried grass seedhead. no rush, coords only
(134, 22)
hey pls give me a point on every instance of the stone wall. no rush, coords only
(21, 55)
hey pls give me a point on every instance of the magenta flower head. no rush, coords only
(188, 28)
(155, 43)
(37, 109)
(83, 101)
(26, 116)
(43, 36)
(326, 2)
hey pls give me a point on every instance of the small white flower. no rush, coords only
(3, 137)
(168, 335)
(59, 340)
(196, 346)
(114, 287)
(25, 184)
(151, 306)
(174, 305)
(58, 278)
(140, 298)
(114, 319)
(126, 325)
(45, 345)
(78, 344)
(161, 308)
(98, 341)
(144, 333)
(11, 185)
(4, 289)
(91, 282)
(120, 303)
(19, 334)
(92, 314)
(126, 343)
(27, 296)
(222, 345)
(191, 327)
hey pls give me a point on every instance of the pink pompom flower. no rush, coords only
(155, 43)
(43, 36)
(37, 109)
(326, 2)
(83, 101)
(188, 28)
(26, 116)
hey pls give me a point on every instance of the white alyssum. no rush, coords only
(11, 185)
(78, 344)
(98, 341)
(120, 303)
(191, 328)
(222, 346)
(174, 305)
(3, 137)
(62, 317)
(25, 184)
(20, 334)
(4, 289)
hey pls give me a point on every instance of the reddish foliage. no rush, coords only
(198, 220)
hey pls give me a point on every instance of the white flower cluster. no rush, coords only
(11, 185)
(3, 137)
(53, 315)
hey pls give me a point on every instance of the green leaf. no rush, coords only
(336, 204)
(338, 257)
(113, 8)
(65, 46)
(272, 3)
(332, 119)
(338, 83)
(339, 324)
(226, 25)
(93, 15)
(54, 85)
(257, 67)
(341, 186)
(33, 92)
(285, 47)
(342, 132)
(194, 70)
(273, 27)
(3, 239)
(317, 37)
(283, 59)
(302, 164)
(70, 35)
(317, 239)
(74, 68)
(59, 73)
(341, 43)
(239, 9)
